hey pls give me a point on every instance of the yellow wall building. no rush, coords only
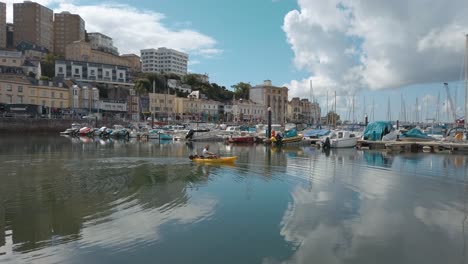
(162, 105)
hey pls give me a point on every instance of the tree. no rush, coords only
(142, 86)
(241, 90)
(332, 117)
(48, 65)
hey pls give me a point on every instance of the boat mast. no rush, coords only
(311, 101)
(466, 82)
(438, 108)
(389, 115)
(334, 116)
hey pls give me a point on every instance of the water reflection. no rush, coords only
(52, 199)
(68, 200)
(351, 219)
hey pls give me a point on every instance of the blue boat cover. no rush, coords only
(316, 133)
(416, 133)
(376, 130)
(290, 133)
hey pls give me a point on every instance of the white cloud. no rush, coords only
(133, 29)
(375, 45)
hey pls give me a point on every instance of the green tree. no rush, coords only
(332, 118)
(142, 86)
(241, 90)
(48, 65)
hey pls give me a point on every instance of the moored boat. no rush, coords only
(344, 139)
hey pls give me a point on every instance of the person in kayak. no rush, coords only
(207, 154)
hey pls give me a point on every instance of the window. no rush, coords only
(43, 93)
(92, 72)
(32, 92)
(121, 75)
(75, 92)
(61, 95)
(20, 99)
(52, 94)
(77, 71)
(9, 88)
(60, 70)
(3, 60)
(20, 89)
(43, 102)
(107, 74)
(52, 103)
(33, 101)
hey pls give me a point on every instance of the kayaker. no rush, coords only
(207, 154)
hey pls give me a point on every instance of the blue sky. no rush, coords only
(376, 49)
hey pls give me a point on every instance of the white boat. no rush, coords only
(75, 128)
(344, 139)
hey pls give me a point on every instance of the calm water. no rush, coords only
(78, 201)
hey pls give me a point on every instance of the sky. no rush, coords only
(377, 51)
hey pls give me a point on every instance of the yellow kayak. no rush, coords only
(217, 160)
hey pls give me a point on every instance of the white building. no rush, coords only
(163, 60)
(103, 43)
(93, 72)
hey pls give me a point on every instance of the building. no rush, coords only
(88, 72)
(163, 60)
(32, 51)
(271, 96)
(67, 29)
(102, 43)
(133, 109)
(82, 51)
(303, 111)
(13, 90)
(134, 62)
(32, 68)
(162, 105)
(3, 26)
(49, 95)
(188, 108)
(84, 99)
(247, 111)
(20, 90)
(34, 23)
(179, 86)
(9, 36)
(11, 58)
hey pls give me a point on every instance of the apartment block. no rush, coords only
(102, 43)
(271, 96)
(67, 29)
(3, 26)
(163, 60)
(92, 72)
(34, 23)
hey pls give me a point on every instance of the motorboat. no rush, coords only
(72, 131)
(86, 131)
(342, 139)
(158, 134)
(120, 132)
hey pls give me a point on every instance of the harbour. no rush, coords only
(76, 199)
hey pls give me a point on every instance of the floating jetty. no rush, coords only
(413, 146)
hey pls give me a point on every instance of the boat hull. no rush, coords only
(242, 140)
(343, 143)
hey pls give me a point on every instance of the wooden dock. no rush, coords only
(412, 146)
